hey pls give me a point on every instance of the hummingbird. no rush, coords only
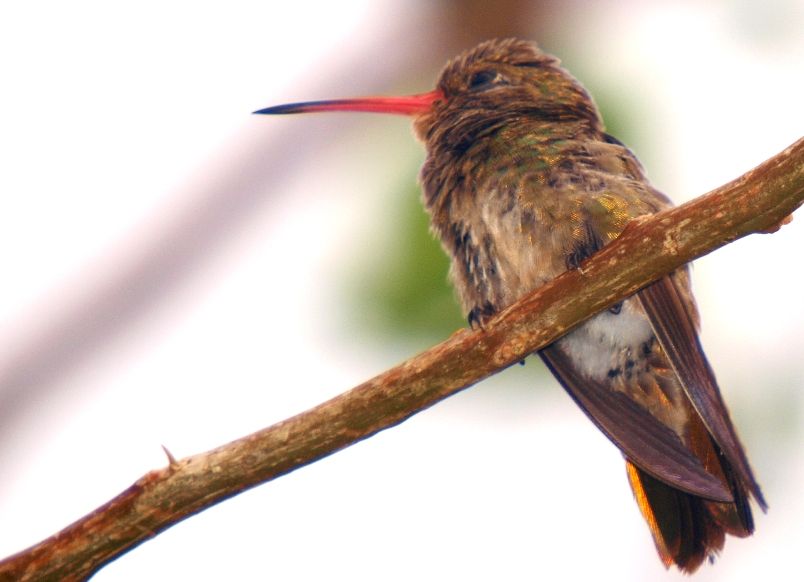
(522, 183)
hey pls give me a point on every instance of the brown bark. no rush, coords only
(650, 247)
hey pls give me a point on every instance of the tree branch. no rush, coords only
(650, 247)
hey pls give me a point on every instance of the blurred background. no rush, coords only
(179, 272)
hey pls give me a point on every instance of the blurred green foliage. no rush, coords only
(402, 289)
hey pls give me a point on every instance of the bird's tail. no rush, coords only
(688, 529)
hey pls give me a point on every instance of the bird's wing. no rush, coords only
(651, 445)
(674, 326)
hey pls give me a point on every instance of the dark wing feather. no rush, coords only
(649, 444)
(676, 331)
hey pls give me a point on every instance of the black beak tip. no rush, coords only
(276, 110)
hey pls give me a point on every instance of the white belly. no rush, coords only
(605, 341)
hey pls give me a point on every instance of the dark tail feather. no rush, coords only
(687, 529)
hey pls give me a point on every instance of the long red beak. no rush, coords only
(409, 105)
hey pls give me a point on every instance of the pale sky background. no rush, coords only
(117, 124)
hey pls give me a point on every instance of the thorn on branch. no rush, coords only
(172, 463)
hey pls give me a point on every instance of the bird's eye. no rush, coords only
(482, 80)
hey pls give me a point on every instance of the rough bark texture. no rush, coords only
(649, 248)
